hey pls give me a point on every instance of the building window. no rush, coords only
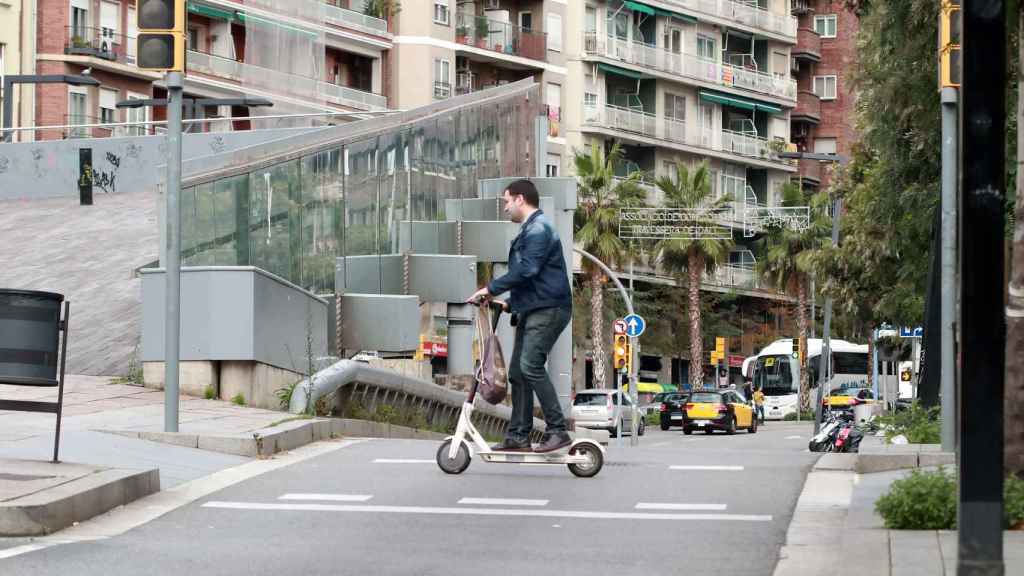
(441, 12)
(78, 110)
(193, 39)
(675, 107)
(590, 20)
(824, 145)
(589, 100)
(706, 48)
(442, 78)
(825, 25)
(825, 87)
(554, 102)
(552, 164)
(554, 32)
(108, 107)
(526, 20)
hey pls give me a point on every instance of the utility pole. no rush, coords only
(947, 366)
(826, 347)
(982, 284)
(175, 84)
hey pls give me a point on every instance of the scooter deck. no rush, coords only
(557, 457)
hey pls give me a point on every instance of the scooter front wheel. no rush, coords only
(455, 465)
(595, 460)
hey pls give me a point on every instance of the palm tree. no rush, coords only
(787, 261)
(691, 190)
(600, 195)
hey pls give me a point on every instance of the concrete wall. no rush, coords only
(33, 170)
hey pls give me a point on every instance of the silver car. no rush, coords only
(599, 409)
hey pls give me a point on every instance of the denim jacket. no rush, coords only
(536, 275)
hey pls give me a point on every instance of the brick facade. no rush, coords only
(838, 58)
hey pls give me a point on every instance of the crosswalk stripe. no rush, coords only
(587, 514)
(401, 461)
(329, 497)
(674, 506)
(728, 468)
(504, 501)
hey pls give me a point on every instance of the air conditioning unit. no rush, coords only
(493, 4)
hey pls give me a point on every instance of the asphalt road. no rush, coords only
(675, 505)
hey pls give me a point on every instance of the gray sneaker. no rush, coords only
(510, 445)
(552, 442)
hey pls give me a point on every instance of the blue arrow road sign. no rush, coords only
(635, 325)
(906, 332)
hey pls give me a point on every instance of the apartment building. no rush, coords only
(445, 48)
(823, 60)
(306, 56)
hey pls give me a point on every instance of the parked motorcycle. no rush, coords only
(825, 439)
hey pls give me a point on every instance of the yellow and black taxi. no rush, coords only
(718, 410)
(848, 397)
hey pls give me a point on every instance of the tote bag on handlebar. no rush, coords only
(491, 374)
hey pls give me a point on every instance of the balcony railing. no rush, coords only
(442, 90)
(733, 275)
(672, 130)
(100, 43)
(808, 44)
(808, 105)
(811, 169)
(284, 82)
(689, 65)
(501, 37)
(352, 19)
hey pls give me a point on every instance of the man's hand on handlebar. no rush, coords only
(483, 296)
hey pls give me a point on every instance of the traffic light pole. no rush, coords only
(172, 267)
(826, 343)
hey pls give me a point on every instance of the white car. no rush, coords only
(599, 409)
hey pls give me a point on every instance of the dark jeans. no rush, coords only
(535, 336)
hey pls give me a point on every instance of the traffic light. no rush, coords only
(161, 41)
(620, 352)
(949, 44)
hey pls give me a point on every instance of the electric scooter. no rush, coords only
(584, 457)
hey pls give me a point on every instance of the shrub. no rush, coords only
(927, 500)
(209, 393)
(653, 418)
(239, 399)
(284, 395)
(919, 425)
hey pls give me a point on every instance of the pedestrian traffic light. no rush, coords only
(949, 44)
(620, 352)
(161, 41)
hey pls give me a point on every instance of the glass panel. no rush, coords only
(272, 217)
(361, 201)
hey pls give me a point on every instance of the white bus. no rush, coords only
(777, 371)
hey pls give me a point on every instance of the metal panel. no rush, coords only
(235, 313)
(371, 274)
(442, 278)
(440, 234)
(474, 209)
(488, 241)
(562, 190)
(384, 323)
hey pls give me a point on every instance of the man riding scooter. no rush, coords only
(542, 299)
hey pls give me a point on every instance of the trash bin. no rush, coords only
(29, 337)
(863, 412)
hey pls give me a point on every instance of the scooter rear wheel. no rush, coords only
(594, 457)
(455, 465)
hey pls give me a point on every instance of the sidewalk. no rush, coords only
(835, 530)
(107, 453)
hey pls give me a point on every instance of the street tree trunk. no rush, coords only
(695, 268)
(801, 320)
(1013, 406)
(597, 328)
(871, 356)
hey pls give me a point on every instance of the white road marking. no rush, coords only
(504, 501)
(401, 461)
(793, 437)
(660, 444)
(485, 512)
(729, 468)
(330, 497)
(673, 506)
(124, 518)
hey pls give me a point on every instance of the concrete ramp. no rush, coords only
(89, 254)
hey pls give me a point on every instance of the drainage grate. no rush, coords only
(23, 477)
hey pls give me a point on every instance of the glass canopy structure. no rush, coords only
(292, 206)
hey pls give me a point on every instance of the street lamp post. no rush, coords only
(10, 81)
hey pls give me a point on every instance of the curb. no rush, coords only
(56, 508)
(285, 436)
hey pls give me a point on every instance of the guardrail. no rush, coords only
(352, 19)
(501, 37)
(100, 43)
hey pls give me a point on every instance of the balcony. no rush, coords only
(808, 108)
(500, 37)
(442, 90)
(811, 170)
(802, 7)
(351, 19)
(752, 16)
(689, 65)
(99, 43)
(808, 45)
(675, 131)
(733, 275)
(301, 86)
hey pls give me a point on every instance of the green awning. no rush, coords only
(211, 12)
(619, 71)
(638, 7)
(737, 102)
(669, 14)
(243, 17)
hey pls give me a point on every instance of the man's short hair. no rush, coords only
(527, 190)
